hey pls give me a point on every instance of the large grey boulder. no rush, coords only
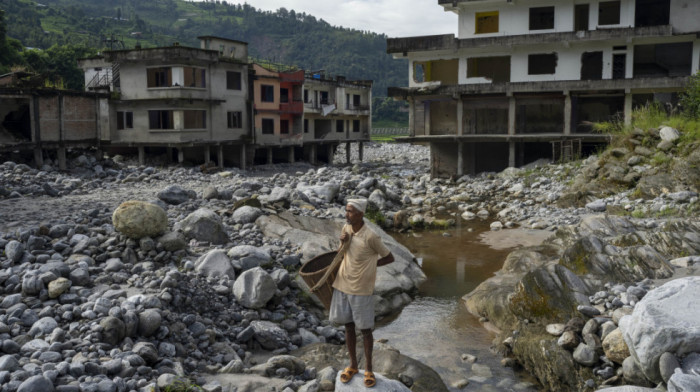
(357, 384)
(254, 288)
(278, 194)
(245, 257)
(317, 236)
(269, 335)
(175, 194)
(326, 192)
(36, 383)
(203, 225)
(246, 214)
(137, 219)
(669, 134)
(113, 330)
(215, 263)
(149, 322)
(667, 319)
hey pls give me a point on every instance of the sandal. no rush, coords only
(347, 374)
(370, 381)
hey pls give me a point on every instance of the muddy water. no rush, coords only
(436, 328)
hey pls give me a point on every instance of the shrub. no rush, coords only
(690, 98)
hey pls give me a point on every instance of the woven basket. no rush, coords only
(313, 271)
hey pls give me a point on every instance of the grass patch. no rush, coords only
(385, 138)
(375, 216)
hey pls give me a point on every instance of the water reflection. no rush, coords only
(436, 328)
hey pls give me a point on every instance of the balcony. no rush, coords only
(294, 107)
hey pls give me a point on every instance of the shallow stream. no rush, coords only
(436, 328)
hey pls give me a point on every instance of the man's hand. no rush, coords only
(343, 236)
(388, 259)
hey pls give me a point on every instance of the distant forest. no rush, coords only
(82, 27)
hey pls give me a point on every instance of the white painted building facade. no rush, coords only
(522, 63)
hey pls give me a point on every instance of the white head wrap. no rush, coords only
(359, 204)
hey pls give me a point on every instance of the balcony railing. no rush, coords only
(294, 107)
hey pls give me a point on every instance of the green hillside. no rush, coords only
(283, 36)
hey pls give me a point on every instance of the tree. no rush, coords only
(690, 98)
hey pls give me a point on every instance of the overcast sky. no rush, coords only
(395, 18)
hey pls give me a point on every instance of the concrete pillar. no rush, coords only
(567, 114)
(460, 159)
(511, 115)
(331, 153)
(207, 154)
(411, 116)
(361, 150)
(291, 154)
(628, 108)
(180, 155)
(243, 157)
(312, 154)
(220, 155)
(142, 155)
(61, 153)
(511, 154)
(269, 155)
(347, 152)
(38, 157)
(426, 113)
(695, 63)
(460, 117)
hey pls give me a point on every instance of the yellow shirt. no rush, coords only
(358, 270)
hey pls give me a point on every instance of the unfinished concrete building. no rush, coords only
(525, 79)
(336, 111)
(184, 102)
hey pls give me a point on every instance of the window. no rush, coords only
(306, 125)
(125, 120)
(195, 119)
(347, 101)
(592, 66)
(267, 93)
(221, 49)
(356, 125)
(284, 95)
(284, 127)
(268, 126)
(195, 77)
(496, 69)
(581, 12)
(324, 97)
(486, 22)
(356, 100)
(160, 119)
(652, 12)
(234, 119)
(159, 77)
(233, 80)
(339, 125)
(541, 18)
(619, 66)
(306, 96)
(541, 64)
(609, 13)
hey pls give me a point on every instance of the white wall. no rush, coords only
(685, 15)
(514, 17)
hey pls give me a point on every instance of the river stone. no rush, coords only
(633, 372)
(43, 326)
(58, 287)
(295, 365)
(357, 384)
(113, 330)
(555, 329)
(668, 363)
(36, 383)
(598, 205)
(203, 225)
(568, 340)
(215, 263)
(585, 355)
(269, 335)
(8, 363)
(246, 214)
(172, 241)
(147, 351)
(615, 347)
(14, 251)
(149, 322)
(174, 194)
(254, 288)
(680, 382)
(667, 319)
(691, 363)
(210, 193)
(669, 134)
(137, 219)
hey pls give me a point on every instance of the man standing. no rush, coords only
(352, 303)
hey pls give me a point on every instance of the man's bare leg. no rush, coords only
(369, 344)
(351, 341)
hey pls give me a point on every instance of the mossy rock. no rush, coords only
(248, 201)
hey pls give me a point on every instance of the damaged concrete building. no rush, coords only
(525, 79)
(202, 105)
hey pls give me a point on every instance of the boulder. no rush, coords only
(357, 384)
(254, 288)
(669, 134)
(245, 257)
(681, 382)
(58, 287)
(203, 225)
(113, 330)
(269, 335)
(246, 214)
(173, 241)
(14, 251)
(36, 383)
(615, 347)
(667, 319)
(174, 194)
(149, 322)
(215, 263)
(137, 219)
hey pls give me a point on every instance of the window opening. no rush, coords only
(652, 13)
(195, 77)
(159, 77)
(268, 126)
(356, 125)
(284, 95)
(339, 125)
(284, 127)
(619, 66)
(592, 66)
(609, 13)
(496, 69)
(235, 119)
(306, 125)
(581, 13)
(267, 93)
(486, 22)
(195, 119)
(541, 18)
(233, 80)
(541, 64)
(324, 97)
(160, 119)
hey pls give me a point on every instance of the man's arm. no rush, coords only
(388, 259)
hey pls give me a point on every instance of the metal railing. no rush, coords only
(391, 131)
